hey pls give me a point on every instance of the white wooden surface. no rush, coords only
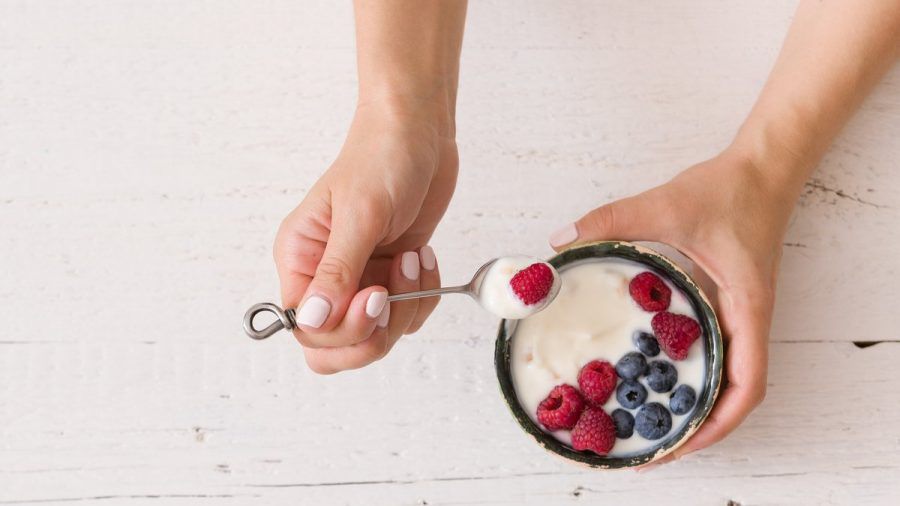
(149, 149)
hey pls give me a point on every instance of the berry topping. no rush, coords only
(653, 421)
(650, 292)
(675, 333)
(597, 380)
(561, 409)
(532, 284)
(624, 423)
(631, 394)
(682, 400)
(661, 376)
(595, 431)
(632, 365)
(646, 343)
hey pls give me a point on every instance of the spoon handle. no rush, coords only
(285, 317)
(429, 293)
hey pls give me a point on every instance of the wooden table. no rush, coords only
(149, 149)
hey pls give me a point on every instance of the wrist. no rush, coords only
(782, 159)
(433, 110)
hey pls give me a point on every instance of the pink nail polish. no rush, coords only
(375, 304)
(313, 312)
(564, 235)
(409, 265)
(427, 258)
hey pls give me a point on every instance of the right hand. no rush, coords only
(362, 231)
(729, 217)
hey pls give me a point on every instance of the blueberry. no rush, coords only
(624, 423)
(632, 365)
(682, 400)
(646, 343)
(661, 376)
(653, 421)
(631, 394)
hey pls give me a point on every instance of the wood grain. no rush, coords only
(148, 151)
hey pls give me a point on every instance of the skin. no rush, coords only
(387, 190)
(729, 214)
(393, 179)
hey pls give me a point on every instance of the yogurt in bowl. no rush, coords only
(624, 314)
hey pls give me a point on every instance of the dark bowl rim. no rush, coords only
(711, 332)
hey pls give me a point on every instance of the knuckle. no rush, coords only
(372, 207)
(374, 350)
(307, 342)
(759, 395)
(317, 365)
(301, 338)
(333, 271)
(668, 213)
(602, 219)
(753, 396)
(278, 244)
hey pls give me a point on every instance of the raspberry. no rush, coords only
(595, 431)
(561, 409)
(650, 292)
(675, 333)
(597, 380)
(532, 284)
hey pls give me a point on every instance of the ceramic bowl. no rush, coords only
(711, 333)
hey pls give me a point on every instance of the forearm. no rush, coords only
(834, 54)
(408, 56)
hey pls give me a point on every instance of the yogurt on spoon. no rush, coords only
(517, 287)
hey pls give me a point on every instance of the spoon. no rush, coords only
(496, 303)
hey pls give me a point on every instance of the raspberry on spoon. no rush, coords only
(532, 284)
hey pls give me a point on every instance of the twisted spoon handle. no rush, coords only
(429, 293)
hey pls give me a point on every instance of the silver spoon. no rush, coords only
(285, 317)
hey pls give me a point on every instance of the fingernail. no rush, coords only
(375, 303)
(313, 312)
(409, 265)
(385, 316)
(564, 236)
(426, 256)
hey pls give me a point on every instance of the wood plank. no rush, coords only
(148, 151)
(425, 424)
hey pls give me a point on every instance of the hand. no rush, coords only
(724, 215)
(361, 231)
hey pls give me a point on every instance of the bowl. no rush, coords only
(711, 333)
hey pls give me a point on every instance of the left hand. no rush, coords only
(730, 220)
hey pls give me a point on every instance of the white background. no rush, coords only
(148, 151)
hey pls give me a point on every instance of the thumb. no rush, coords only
(637, 218)
(354, 233)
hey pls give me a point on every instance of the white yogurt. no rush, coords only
(496, 294)
(593, 318)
